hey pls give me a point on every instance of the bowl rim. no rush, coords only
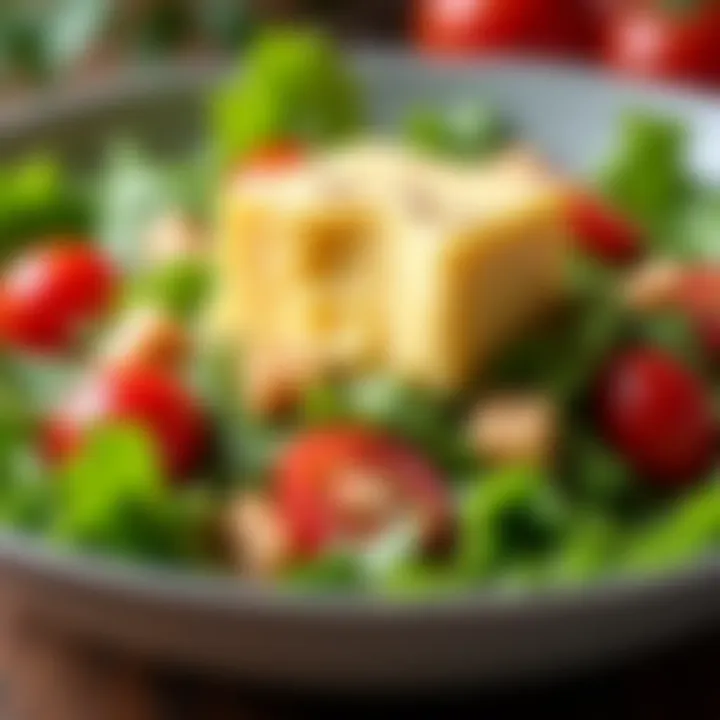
(164, 584)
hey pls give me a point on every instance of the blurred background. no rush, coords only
(45, 41)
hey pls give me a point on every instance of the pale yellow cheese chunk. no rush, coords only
(374, 258)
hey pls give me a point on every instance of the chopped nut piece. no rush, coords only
(147, 336)
(520, 428)
(273, 381)
(654, 286)
(256, 539)
(171, 237)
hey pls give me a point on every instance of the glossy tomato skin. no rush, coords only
(467, 26)
(313, 461)
(48, 294)
(140, 396)
(601, 231)
(659, 416)
(646, 41)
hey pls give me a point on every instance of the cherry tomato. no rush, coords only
(645, 40)
(311, 473)
(51, 292)
(464, 26)
(699, 295)
(603, 232)
(659, 416)
(142, 396)
(274, 158)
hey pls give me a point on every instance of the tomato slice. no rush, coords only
(144, 397)
(310, 472)
(601, 231)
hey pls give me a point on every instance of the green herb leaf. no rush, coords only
(293, 84)
(647, 175)
(465, 132)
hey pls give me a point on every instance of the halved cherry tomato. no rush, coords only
(699, 295)
(646, 40)
(465, 26)
(309, 475)
(141, 396)
(48, 294)
(601, 231)
(659, 415)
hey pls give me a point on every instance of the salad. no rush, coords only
(142, 417)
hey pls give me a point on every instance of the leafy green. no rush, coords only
(508, 517)
(589, 549)
(113, 497)
(647, 175)
(36, 198)
(179, 287)
(292, 84)
(135, 188)
(698, 235)
(562, 356)
(334, 570)
(464, 132)
(597, 477)
(416, 414)
(686, 531)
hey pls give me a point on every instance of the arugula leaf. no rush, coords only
(688, 530)
(36, 198)
(413, 413)
(335, 570)
(590, 549)
(113, 497)
(508, 517)
(180, 287)
(292, 84)
(647, 175)
(464, 132)
(698, 236)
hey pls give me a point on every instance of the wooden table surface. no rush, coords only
(48, 676)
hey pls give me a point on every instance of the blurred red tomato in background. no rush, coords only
(565, 27)
(663, 40)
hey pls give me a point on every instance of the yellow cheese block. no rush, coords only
(370, 257)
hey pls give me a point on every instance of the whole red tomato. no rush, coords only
(659, 416)
(646, 39)
(144, 397)
(49, 293)
(466, 26)
(312, 477)
(601, 231)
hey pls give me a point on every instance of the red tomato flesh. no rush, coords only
(659, 415)
(315, 461)
(602, 232)
(51, 292)
(140, 396)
